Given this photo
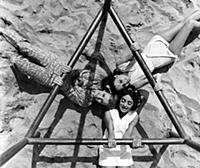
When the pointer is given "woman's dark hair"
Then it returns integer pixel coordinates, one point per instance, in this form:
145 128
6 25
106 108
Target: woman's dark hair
74 75
107 83
133 93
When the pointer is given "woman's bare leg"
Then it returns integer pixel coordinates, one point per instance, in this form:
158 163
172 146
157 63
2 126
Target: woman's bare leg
181 37
179 34
170 33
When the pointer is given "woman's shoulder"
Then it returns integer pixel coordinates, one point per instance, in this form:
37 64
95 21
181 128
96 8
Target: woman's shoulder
113 111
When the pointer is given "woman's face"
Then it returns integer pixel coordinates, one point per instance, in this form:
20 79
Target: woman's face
83 79
121 81
103 97
125 104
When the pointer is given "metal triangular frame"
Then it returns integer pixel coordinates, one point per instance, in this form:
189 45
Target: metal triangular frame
30 138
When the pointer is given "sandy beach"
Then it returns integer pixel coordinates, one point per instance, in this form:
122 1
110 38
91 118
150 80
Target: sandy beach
59 26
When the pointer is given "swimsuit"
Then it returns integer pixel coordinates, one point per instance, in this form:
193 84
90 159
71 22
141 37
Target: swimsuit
156 54
121 155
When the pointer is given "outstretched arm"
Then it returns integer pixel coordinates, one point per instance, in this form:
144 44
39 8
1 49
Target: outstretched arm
145 96
129 131
110 129
109 125
140 83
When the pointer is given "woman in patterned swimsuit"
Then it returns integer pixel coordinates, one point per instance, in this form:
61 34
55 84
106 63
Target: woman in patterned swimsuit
46 68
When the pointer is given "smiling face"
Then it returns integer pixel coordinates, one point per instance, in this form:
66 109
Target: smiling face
121 81
125 104
103 97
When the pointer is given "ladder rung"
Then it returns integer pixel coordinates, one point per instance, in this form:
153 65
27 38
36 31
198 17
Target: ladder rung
56 141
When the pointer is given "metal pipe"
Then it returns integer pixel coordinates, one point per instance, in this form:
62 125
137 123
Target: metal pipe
173 134
193 144
53 141
42 112
12 151
17 147
71 63
88 35
147 72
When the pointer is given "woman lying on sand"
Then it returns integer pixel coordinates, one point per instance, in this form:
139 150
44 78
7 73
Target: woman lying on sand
81 85
163 49
45 67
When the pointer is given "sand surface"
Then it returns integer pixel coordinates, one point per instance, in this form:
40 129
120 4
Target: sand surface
59 26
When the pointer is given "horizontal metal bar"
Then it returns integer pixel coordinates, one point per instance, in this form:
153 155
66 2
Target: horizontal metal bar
52 141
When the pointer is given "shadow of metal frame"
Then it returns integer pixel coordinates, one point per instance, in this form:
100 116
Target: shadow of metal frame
180 138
